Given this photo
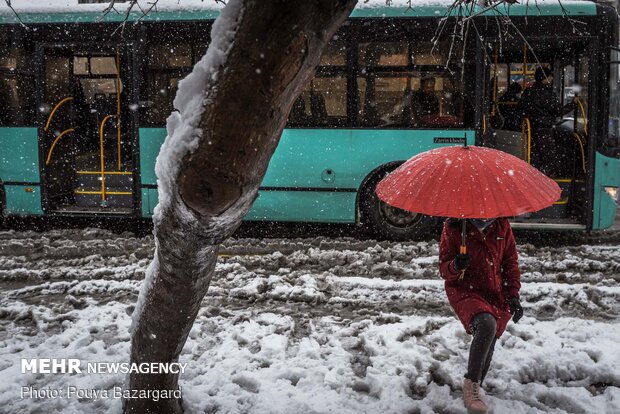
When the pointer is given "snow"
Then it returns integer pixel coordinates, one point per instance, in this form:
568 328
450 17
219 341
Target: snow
312 325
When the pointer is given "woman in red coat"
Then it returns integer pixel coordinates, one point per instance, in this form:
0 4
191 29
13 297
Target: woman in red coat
483 289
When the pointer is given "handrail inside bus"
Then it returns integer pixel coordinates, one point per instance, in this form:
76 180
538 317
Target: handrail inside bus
526 144
105 172
118 108
583 154
524 67
49 153
583 114
58 105
494 86
101 157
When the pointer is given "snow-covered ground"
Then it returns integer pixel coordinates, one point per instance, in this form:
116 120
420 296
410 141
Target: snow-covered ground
314 325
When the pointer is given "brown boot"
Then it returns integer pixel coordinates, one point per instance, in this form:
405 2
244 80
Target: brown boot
471 397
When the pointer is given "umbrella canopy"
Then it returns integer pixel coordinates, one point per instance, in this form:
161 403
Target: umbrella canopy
468 182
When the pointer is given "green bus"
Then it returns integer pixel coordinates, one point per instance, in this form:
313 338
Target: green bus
84 102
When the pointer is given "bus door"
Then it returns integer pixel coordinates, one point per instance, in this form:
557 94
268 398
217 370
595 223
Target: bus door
510 71
575 132
85 135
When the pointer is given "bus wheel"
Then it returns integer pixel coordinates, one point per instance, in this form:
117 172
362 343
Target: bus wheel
390 222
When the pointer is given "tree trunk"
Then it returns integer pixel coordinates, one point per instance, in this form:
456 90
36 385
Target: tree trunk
209 176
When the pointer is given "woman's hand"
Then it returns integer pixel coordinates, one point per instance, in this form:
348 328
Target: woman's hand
461 262
515 308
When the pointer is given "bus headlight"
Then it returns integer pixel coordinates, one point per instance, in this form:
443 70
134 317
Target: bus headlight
613 193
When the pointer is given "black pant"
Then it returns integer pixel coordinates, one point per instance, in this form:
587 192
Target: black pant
481 350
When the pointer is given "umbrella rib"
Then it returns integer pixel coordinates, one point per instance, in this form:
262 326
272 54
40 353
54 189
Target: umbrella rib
503 197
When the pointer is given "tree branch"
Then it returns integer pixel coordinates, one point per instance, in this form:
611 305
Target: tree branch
10 6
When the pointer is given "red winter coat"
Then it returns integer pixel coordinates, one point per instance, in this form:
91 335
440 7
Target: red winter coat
492 276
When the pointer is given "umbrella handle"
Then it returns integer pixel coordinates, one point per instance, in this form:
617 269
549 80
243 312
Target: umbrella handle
463 246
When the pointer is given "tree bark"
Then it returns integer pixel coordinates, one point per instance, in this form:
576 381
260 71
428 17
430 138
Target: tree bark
276 47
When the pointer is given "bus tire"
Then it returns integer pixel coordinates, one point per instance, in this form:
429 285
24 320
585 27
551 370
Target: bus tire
388 222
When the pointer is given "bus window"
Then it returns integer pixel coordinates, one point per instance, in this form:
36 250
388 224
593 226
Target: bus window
575 83
582 93
568 83
322 103
96 89
524 73
381 101
409 100
500 77
57 71
334 54
168 56
503 103
8 63
161 89
406 84
92 86
383 54
102 65
81 65
167 64
16 89
199 50
431 54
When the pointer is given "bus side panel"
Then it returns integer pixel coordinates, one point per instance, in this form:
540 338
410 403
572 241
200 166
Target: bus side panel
375 147
304 206
319 171
23 200
19 170
314 174
304 157
607 174
151 140
149 201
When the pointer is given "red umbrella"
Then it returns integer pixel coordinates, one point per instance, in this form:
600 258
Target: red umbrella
468 182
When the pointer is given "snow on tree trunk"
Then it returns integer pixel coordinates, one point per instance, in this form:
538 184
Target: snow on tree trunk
232 110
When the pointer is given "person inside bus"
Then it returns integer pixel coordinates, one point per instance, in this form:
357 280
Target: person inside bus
424 101
508 107
483 287
542 107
